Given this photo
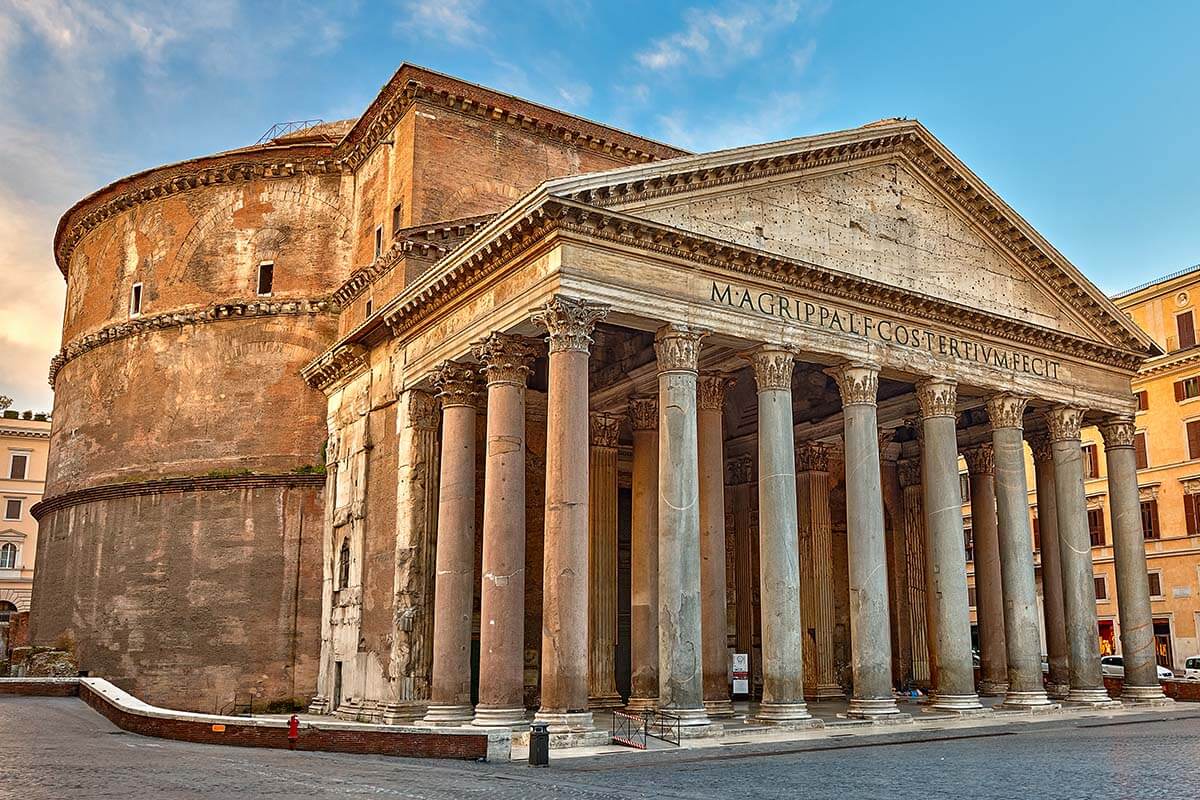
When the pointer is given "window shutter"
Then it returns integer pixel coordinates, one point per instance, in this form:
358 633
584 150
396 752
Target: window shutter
1189 513
1139 449
1193 437
1178 391
1154 517
1187 330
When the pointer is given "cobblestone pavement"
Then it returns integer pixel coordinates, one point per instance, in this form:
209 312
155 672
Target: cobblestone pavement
58 748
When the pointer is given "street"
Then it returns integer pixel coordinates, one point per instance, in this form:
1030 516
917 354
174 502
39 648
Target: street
58 748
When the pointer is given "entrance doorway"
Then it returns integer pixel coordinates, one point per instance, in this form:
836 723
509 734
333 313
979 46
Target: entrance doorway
1108 637
1163 652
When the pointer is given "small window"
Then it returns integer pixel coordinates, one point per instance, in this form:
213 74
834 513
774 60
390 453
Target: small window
1193 439
1095 518
7 609
266 278
1139 450
1037 535
1143 400
1155 580
18 466
1185 326
8 556
135 301
1101 587
379 241
971 596
964 486
397 219
1150 519
1191 514
969 542
1091 462
12 508
344 565
370 305
1187 388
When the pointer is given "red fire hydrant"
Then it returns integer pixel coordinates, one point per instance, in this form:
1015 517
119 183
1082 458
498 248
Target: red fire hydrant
293 731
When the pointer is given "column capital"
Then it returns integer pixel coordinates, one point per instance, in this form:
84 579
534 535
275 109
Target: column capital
506 358
457 384
812 457
937 397
1064 423
981 459
773 366
741 470
909 470
1006 410
678 347
857 382
569 322
643 412
710 390
1118 431
1039 443
603 429
422 411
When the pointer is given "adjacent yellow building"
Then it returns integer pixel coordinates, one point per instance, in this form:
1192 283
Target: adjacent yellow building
24 441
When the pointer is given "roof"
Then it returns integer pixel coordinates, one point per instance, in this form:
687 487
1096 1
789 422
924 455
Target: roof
1157 281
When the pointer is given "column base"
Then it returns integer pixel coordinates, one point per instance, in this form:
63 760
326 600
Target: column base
607 700
775 713
688 717
882 708
719 708
1094 697
956 703
640 705
1145 696
511 717
566 721
830 691
448 715
1028 701
318 705
993 688
1058 691
405 712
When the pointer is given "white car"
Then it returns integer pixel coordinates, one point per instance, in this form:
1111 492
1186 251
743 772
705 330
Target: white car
1114 667
1191 668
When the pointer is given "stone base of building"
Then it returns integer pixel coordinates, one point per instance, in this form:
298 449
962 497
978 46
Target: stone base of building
640 705
993 688
829 691
963 704
448 715
567 739
566 721
1145 696
782 713
1028 701
512 717
719 708
404 712
318 705
1058 691
802 724
876 710
1091 698
606 701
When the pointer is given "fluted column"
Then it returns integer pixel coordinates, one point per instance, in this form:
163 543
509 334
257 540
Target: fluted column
1075 552
989 590
643 562
1058 682
450 692
680 661
1129 547
602 562
778 545
741 473
713 625
912 498
506 364
955 687
569 323
812 491
1021 641
866 544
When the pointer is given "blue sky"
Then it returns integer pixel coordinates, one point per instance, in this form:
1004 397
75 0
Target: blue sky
1083 116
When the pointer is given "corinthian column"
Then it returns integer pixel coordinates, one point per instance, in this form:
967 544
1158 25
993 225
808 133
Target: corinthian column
1025 688
450 695
866 544
681 670
989 590
812 492
602 533
1129 546
955 687
565 571
778 542
1075 552
506 363
643 562
713 626
1058 683
914 553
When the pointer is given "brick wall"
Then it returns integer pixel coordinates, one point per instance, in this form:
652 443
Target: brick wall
1183 691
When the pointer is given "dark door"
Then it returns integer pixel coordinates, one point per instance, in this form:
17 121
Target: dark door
1163 653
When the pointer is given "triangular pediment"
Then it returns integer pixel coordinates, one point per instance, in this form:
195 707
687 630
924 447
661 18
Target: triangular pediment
887 203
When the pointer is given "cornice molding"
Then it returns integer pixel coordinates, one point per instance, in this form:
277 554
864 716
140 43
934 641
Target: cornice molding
220 312
205 483
335 366
23 433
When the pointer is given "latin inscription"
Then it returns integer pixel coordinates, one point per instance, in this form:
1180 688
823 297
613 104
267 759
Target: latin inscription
853 323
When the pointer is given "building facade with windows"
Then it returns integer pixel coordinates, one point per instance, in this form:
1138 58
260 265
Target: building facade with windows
470 409
24 442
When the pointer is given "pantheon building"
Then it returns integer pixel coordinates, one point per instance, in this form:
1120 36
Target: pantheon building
472 411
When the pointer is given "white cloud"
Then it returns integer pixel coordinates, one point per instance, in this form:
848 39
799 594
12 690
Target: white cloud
803 57
454 20
779 115
716 38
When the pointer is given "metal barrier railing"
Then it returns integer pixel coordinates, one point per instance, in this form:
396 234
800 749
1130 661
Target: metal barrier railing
664 726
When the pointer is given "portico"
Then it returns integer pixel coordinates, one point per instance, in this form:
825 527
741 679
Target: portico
720 344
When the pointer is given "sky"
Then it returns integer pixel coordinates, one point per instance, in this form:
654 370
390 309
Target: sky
1082 116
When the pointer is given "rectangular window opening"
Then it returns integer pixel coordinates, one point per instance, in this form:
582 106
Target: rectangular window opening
1095 517
1193 439
1185 326
378 241
1141 457
1091 461
266 278
1150 519
135 300
1101 587
1155 580
397 219
12 508
18 467
1143 400
1187 388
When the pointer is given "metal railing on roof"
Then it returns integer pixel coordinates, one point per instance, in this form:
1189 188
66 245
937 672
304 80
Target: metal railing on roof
284 128
1163 279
